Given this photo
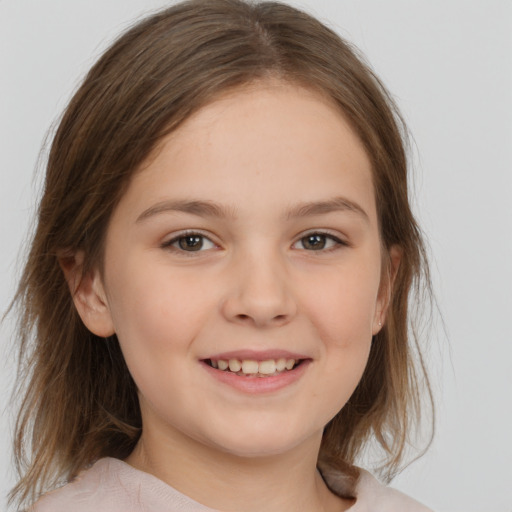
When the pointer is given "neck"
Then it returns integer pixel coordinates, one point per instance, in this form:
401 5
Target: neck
285 482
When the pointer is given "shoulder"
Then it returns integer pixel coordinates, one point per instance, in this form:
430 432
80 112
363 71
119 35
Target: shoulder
111 485
372 496
92 489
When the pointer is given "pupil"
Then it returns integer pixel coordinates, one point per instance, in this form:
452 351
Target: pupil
314 242
191 243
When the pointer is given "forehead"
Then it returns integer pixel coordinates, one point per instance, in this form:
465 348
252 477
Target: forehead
271 141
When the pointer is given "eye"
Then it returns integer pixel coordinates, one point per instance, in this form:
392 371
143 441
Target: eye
318 242
190 242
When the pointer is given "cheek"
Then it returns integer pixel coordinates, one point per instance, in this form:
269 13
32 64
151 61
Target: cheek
156 314
157 320
341 313
343 309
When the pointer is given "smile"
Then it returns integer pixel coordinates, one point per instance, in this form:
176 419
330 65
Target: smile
253 368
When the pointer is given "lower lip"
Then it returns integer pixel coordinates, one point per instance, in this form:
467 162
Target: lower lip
257 385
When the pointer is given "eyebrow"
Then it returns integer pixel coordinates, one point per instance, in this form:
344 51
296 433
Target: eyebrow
203 208
335 204
199 208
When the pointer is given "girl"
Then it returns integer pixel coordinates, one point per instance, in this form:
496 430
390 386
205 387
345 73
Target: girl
215 305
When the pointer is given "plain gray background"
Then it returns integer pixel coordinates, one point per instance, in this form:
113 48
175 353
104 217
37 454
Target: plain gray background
448 64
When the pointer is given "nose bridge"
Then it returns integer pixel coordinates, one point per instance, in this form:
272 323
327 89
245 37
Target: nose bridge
260 289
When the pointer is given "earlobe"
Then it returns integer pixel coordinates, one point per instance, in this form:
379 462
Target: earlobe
88 294
386 286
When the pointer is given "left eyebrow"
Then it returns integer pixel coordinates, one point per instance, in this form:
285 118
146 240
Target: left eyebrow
335 204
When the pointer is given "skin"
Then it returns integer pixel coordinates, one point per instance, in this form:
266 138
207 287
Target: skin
260 154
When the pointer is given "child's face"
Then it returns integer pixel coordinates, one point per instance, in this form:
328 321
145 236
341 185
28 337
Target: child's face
279 258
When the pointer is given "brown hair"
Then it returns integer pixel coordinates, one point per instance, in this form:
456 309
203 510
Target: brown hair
80 402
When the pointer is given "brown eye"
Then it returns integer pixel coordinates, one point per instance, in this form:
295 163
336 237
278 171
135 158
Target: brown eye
319 242
191 242
314 242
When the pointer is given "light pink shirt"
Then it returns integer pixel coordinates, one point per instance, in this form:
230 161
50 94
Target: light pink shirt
111 485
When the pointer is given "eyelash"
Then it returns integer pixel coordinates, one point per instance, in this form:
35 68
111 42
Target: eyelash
338 243
170 244
187 234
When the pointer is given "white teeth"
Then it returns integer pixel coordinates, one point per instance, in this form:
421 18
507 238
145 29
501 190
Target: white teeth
235 365
281 364
252 367
267 367
223 365
249 366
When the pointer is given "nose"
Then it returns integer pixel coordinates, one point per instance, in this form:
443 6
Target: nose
259 292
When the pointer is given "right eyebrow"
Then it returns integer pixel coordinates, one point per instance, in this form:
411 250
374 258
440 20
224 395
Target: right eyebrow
199 208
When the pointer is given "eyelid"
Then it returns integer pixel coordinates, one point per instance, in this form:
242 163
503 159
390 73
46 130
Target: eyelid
175 237
334 236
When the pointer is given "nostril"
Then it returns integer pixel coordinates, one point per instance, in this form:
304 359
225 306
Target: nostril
277 318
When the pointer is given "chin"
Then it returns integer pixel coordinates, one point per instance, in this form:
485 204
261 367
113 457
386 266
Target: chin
258 451
263 442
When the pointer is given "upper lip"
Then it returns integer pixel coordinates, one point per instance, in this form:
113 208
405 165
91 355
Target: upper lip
257 355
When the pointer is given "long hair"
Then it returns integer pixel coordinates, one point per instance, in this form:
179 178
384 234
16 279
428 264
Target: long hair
80 402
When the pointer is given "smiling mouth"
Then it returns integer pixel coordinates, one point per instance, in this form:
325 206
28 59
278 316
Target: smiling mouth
253 368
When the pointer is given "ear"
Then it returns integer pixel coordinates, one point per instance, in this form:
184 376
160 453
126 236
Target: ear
390 271
88 294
